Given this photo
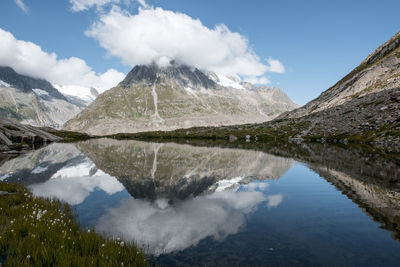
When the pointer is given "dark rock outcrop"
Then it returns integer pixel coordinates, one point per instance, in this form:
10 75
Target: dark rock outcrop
184 75
16 136
26 83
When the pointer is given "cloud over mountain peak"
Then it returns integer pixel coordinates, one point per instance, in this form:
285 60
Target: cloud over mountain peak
154 34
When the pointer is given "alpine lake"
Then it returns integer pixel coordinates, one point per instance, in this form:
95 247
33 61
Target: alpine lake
205 204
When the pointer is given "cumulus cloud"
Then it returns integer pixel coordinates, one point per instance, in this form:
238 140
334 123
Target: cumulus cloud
155 34
29 59
275 66
21 5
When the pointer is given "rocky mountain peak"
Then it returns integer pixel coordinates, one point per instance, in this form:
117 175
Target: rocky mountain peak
184 75
28 84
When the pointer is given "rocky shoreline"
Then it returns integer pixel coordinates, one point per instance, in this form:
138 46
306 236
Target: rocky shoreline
15 137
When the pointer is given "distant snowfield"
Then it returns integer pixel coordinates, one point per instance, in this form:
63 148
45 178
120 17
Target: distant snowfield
229 81
81 92
4 84
40 92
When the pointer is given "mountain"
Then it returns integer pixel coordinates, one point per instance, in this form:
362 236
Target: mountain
378 72
177 96
363 107
34 101
79 95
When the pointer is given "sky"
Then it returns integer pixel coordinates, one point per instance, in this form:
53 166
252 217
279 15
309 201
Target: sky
304 47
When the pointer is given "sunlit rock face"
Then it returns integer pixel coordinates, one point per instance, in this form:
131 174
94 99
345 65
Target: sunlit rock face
175 171
177 96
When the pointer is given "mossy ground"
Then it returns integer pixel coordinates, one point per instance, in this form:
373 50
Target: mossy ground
43 232
69 136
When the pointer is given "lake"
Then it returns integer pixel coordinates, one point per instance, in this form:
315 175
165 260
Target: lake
198 204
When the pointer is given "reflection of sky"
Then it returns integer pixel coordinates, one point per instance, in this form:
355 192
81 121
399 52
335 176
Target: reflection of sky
101 201
74 184
159 225
299 218
165 228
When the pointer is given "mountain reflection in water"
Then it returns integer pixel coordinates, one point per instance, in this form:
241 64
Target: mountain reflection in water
175 198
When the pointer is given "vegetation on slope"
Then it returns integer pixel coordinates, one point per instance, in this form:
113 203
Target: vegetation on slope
42 232
68 136
370 119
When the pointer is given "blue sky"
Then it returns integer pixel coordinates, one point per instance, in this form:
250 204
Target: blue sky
318 42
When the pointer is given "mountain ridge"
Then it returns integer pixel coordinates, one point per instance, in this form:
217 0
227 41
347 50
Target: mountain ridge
34 101
185 75
176 96
379 71
363 107
27 83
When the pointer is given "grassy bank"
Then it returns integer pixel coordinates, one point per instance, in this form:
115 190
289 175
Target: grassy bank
42 232
68 136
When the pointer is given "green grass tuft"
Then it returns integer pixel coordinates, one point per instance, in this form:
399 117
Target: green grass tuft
43 232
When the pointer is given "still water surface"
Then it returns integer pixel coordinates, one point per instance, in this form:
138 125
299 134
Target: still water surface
192 205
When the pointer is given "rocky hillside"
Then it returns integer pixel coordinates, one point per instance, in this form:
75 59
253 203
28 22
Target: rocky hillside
166 98
378 72
14 135
34 101
364 107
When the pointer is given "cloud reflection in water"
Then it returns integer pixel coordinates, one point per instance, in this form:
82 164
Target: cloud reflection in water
164 228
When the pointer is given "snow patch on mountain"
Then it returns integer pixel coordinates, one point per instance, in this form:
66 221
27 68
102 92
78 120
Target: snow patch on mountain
234 82
4 84
86 94
40 92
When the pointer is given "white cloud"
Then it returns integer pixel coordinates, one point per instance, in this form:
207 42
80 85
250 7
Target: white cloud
81 5
29 59
275 66
75 183
274 200
143 3
156 33
21 5
164 228
257 80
